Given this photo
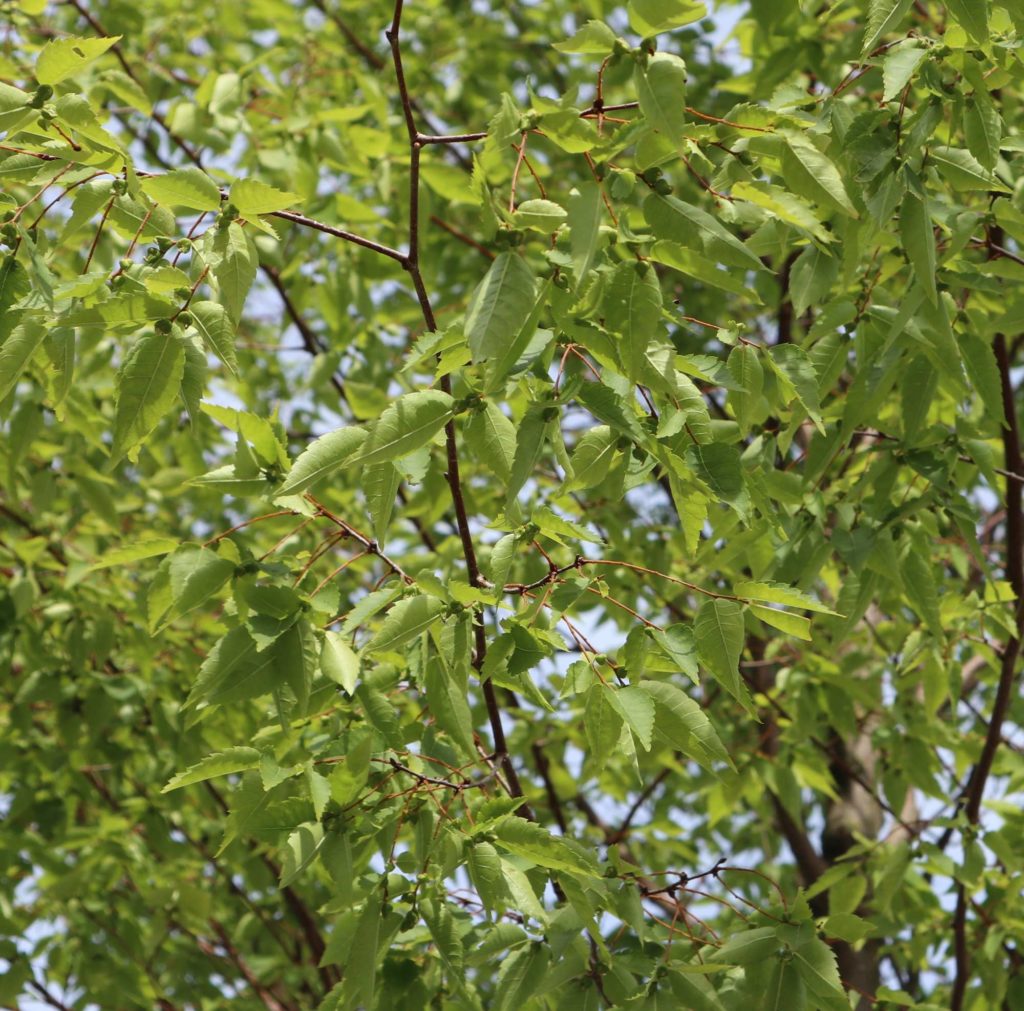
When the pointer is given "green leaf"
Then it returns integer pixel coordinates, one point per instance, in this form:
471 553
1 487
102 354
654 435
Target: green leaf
539 215
680 722
188 187
493 435
672 218
147 547
300 851
408 424
899 66
195 574
222 763
593 37
381 482
983 371
636 707
972 15
812 174
749 946
984 129
339 661
962 170
778 593
632 309
519 977
322 457
650 17
720 636
446 698
213 325
791 624
64 58
585 212
884 16
919 242
661 88
532 841
147 386
17 350
592 458
233 671
235 269
500 306
253 197
406 620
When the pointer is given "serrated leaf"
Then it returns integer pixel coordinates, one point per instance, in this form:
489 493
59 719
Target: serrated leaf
585 212
195 574
592 37
63 58
147 385
779 593
381 482
406 620
188 187
962 170
253 197
236 264
300 851
223 763
884 16
146 547
983 371
540 215
495 435
339 661
636 707
983 128
632 309
533 841
213 325
321 457
649 17
720 635
409 423
672 218
785 621
972 15
661 88
499 306
899 66
233 671
446 698
592 458
812 174
17 351
681 723
919 242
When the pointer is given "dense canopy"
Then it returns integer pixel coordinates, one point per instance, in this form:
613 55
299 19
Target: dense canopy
511 506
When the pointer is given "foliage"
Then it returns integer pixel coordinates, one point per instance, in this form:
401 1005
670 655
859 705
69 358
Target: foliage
523 513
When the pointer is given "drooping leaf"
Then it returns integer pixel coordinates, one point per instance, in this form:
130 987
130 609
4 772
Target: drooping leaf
500 306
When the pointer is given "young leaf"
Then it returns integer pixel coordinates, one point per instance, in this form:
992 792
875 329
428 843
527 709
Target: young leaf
236 265
16 352
650 17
